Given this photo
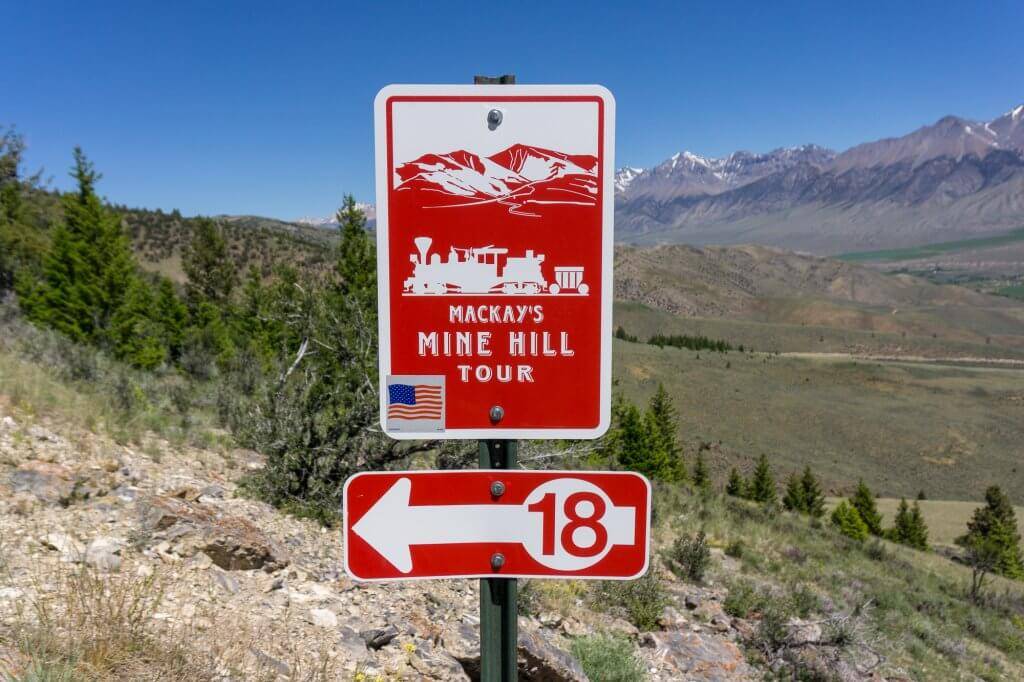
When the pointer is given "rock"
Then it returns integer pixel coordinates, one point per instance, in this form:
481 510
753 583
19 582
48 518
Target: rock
225 582
271 663
10 593
8 423
700 657
541 661
71 550
692 601
671 619
721 623
803 632
323 618
574 628
236 544
376 638
550 619
619 626
351 646
212 491
44 435
50 483
103 553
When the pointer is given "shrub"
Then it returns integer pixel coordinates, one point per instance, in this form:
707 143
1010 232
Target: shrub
689 557
743 600
608 658
735 549
640 601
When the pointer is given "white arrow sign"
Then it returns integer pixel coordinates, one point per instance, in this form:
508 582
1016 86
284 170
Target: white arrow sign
566 524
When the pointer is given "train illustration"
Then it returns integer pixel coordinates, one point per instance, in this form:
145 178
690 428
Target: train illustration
486 270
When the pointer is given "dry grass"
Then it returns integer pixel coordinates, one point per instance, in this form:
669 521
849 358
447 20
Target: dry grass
80 624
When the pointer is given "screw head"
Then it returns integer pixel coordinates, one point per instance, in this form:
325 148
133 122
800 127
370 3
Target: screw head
497 488
497 561
497 413
494 118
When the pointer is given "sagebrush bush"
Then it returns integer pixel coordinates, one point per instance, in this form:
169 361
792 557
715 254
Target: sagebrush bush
641 601
608 658
689 558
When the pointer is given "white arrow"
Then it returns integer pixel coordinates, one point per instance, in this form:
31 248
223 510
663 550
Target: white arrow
392 525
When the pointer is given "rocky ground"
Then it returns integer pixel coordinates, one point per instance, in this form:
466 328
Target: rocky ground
262 593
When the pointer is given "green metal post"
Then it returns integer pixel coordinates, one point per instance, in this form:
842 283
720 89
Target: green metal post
499 617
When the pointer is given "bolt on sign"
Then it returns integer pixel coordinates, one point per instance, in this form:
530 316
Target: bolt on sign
494 243
496 523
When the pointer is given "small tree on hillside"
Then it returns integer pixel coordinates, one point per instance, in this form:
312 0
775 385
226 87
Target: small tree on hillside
813 497
909 527
847 521
701 476
736 486
762 484
794 499
662 423
864 502
993 528
211 271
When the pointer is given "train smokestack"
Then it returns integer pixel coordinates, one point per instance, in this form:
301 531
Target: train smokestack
423 246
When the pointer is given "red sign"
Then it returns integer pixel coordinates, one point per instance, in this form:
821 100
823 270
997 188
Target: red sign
493 523
494 235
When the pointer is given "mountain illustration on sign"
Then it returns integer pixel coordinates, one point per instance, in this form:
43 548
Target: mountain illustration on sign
486 270
523 178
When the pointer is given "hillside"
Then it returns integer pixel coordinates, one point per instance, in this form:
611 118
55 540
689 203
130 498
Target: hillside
129 543
753 284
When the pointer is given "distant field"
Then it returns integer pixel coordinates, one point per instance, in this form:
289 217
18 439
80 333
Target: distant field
930 250
903 427
946 519
1016 291
1005 342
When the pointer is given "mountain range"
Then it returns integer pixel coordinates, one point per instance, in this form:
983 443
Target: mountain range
953 179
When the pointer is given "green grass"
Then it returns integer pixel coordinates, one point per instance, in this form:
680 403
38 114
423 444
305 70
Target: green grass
1016 291
929 250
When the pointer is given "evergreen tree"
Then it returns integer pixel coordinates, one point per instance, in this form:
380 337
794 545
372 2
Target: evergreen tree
209 267
909 527
736 487
634 448
701 476
864 502
762 484
994 527
88 270
847 521
794 499
814 498
137 338
661 421
21 244
171 315
357 258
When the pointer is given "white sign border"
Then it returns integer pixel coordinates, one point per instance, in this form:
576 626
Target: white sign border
607 246
500 472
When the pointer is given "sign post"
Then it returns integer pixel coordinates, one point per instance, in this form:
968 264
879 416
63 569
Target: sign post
494 244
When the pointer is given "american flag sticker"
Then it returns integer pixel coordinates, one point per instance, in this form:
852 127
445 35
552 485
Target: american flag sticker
415 403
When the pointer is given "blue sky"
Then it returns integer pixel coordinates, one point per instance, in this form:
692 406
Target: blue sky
265 108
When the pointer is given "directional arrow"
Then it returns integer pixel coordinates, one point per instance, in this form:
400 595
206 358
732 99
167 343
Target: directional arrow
392 526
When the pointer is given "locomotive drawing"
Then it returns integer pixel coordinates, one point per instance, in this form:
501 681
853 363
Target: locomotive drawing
486 270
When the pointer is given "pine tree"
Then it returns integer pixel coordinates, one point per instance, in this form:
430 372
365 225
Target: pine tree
794 499
172 316
918 529
762 484
357 259
995 526
814 498
634 448
211 272
661 421
137 338
847 520
864 502
88 270
701 476
736 487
